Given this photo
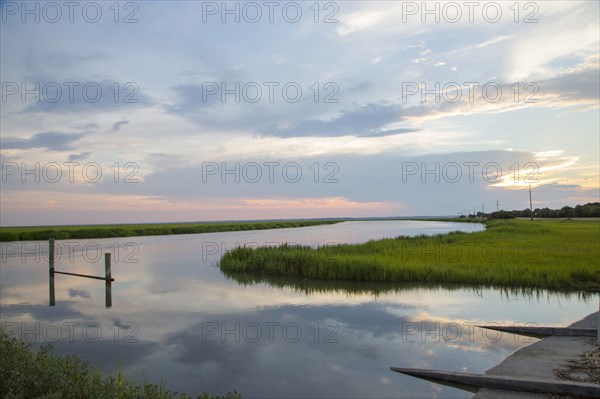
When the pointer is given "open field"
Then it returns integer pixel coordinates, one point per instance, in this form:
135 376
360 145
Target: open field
132 230
556 254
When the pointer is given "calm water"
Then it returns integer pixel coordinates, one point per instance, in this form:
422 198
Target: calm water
175 317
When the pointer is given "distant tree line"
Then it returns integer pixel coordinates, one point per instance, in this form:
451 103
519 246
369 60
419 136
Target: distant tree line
591 209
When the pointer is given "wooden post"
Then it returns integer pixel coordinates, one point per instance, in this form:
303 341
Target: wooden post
599 321
51 256
108 294
51 298
108 286
530 204
51 289
107 272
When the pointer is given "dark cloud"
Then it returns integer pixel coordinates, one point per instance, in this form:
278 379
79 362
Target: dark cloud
79 293
364 121
579 85
196 102
53 141
391 132
64 310
362 86
84 95
225 114
88 126
190 98
79 157
117 125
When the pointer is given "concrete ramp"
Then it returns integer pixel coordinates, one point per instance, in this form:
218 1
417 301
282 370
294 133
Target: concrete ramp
529 372
473 382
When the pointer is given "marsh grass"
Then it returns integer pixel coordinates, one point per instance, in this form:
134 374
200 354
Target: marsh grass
25 373
550 254
132 230
376 289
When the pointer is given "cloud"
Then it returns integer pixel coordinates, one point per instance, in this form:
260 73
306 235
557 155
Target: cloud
191 97
85 95
273 120
226 114
79 293
533 55
358 21
88 126
53 141
368 120
79 157
575 86
367 54
578 86
117 125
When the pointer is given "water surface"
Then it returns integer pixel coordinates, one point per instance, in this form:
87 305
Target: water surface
176 318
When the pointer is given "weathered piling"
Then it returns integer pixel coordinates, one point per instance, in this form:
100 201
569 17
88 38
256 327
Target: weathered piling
51 298
107 266
108 294
108 276
51 256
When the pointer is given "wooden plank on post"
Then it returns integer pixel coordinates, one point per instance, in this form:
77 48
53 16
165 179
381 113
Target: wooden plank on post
83 275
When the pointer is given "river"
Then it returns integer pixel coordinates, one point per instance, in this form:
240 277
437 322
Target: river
176 318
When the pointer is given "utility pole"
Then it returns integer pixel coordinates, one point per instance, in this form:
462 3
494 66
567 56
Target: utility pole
496 205
482 208
530 203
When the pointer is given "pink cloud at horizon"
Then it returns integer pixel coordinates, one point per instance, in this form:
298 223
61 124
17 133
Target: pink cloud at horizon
45 208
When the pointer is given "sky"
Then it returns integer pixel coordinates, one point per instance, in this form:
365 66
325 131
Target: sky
159 111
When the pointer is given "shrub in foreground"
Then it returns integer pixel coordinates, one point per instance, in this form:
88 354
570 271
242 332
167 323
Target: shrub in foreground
28 374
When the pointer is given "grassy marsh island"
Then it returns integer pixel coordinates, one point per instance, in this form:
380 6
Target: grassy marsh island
156 229
550 253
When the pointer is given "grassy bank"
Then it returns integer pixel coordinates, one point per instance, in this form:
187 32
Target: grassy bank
132 230
555 254
28 374
352 288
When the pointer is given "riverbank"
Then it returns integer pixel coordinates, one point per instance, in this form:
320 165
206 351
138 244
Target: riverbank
155 229
562 365
552 254
28 374
555 358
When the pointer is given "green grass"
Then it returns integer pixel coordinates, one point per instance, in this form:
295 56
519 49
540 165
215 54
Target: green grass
28 374
351 288
549 254
132 230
